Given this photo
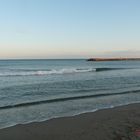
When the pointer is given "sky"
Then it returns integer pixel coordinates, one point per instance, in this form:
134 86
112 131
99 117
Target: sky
69 28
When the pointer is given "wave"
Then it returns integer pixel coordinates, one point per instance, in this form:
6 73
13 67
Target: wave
107 69
67 99
45 72
53 71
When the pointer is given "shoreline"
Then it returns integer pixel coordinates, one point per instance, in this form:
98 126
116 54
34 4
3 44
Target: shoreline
104 124
67 116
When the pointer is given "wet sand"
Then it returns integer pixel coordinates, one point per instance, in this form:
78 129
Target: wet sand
120 123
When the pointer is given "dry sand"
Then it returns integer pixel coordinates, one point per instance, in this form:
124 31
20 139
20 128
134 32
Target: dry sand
120 123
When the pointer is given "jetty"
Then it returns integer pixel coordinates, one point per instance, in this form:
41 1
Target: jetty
113 59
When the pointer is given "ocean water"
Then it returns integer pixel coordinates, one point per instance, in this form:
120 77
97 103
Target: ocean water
38 90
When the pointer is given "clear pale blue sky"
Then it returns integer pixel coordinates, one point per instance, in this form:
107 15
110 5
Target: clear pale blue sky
69 28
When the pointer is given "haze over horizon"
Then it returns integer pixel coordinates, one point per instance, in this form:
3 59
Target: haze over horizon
69 29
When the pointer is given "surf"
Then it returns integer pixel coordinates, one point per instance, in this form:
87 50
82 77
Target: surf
54 71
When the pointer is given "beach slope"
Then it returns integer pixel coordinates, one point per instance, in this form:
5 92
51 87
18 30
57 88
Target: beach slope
120 123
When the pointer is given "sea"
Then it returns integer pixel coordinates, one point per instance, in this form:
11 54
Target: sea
39 90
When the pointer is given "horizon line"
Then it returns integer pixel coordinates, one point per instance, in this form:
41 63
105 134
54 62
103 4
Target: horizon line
66 58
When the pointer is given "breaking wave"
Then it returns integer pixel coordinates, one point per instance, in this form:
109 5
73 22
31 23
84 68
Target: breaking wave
53 71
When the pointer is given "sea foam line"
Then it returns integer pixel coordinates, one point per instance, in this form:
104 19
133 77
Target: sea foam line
54 71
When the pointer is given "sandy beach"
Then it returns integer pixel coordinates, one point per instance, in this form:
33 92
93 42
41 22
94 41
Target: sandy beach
120 123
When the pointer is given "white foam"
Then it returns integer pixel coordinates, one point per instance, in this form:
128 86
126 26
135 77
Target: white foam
40 72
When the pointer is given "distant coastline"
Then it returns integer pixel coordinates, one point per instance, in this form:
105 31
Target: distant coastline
113 59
